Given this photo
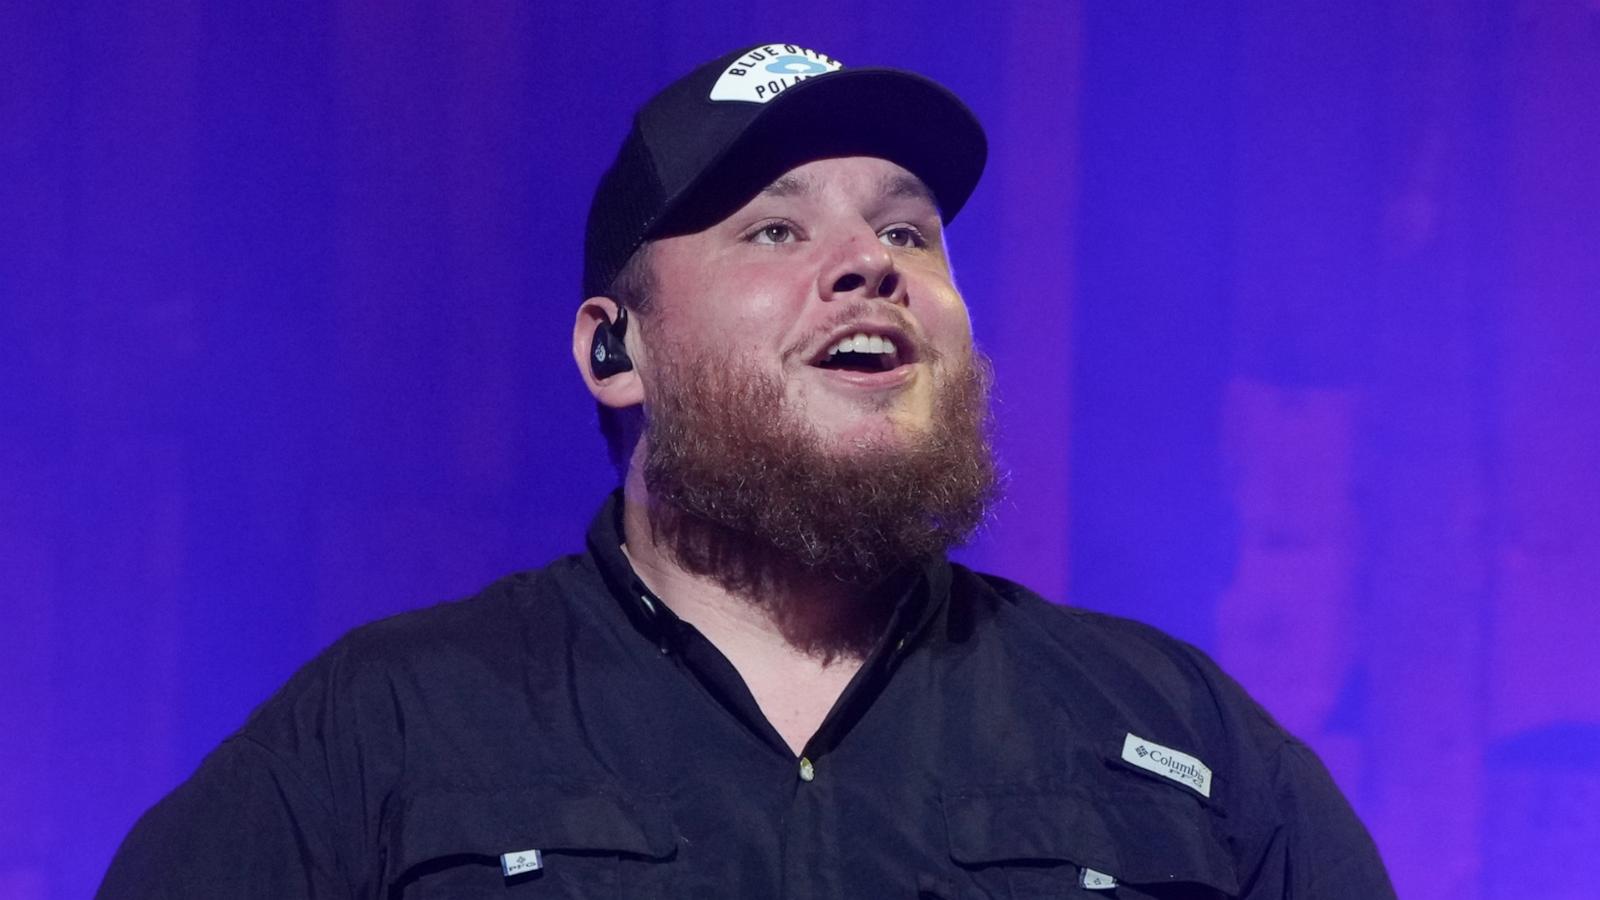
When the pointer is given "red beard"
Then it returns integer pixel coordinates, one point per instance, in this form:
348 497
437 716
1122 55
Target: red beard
743 488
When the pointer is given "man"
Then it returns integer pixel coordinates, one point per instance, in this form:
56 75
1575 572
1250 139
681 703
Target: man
763 678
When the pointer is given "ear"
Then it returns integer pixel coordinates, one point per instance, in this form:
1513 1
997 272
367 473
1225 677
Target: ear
624 388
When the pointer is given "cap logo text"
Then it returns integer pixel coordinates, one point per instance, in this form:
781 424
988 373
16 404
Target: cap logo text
767 71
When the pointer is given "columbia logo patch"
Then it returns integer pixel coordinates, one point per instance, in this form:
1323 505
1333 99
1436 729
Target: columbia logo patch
769 70
1168 763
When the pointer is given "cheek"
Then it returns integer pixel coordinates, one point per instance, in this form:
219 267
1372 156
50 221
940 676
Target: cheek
944 319
706 288
740 303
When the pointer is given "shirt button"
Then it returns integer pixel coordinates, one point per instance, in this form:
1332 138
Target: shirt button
807 770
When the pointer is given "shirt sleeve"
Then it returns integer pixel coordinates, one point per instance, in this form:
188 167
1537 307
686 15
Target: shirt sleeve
1296 836
1321 851
244 825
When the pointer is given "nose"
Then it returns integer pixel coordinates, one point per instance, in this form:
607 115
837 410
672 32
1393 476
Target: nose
863 268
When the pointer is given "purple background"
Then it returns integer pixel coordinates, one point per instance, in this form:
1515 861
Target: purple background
1295 308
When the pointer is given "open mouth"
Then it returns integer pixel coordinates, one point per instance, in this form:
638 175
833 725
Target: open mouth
862 352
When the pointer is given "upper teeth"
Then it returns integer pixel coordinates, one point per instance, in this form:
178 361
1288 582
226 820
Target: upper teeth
862 343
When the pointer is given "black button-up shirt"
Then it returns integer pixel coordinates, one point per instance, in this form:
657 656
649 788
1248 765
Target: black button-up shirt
562 734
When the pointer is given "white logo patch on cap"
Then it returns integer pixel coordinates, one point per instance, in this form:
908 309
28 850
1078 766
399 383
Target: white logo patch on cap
769 70
1167 762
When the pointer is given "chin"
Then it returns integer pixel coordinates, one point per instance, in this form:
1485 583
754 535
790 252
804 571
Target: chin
877 433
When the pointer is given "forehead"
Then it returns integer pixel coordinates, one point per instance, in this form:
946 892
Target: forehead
867 176
861 177
732 191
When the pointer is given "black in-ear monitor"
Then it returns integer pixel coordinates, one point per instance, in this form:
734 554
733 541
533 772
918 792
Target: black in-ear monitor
608 355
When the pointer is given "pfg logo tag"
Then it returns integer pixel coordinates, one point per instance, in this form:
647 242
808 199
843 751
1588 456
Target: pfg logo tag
765 72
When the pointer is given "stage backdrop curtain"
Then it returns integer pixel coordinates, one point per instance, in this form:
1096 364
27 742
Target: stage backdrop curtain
1294 310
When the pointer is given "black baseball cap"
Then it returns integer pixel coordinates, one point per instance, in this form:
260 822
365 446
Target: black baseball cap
705 144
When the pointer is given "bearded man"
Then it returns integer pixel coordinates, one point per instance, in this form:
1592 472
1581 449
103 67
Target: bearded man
764 678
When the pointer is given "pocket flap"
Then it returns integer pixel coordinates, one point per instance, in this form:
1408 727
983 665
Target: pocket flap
1140 837
558 818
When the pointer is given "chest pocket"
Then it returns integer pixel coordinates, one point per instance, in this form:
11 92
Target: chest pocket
592 843
1022 842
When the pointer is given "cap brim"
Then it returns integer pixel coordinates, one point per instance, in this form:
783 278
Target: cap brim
896 115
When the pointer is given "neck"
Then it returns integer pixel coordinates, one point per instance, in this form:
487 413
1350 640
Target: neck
741 595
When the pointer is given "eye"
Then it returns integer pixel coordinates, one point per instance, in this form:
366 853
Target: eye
773 233
903 236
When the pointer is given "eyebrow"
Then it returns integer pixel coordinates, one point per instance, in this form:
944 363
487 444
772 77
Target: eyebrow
789 186
904 185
